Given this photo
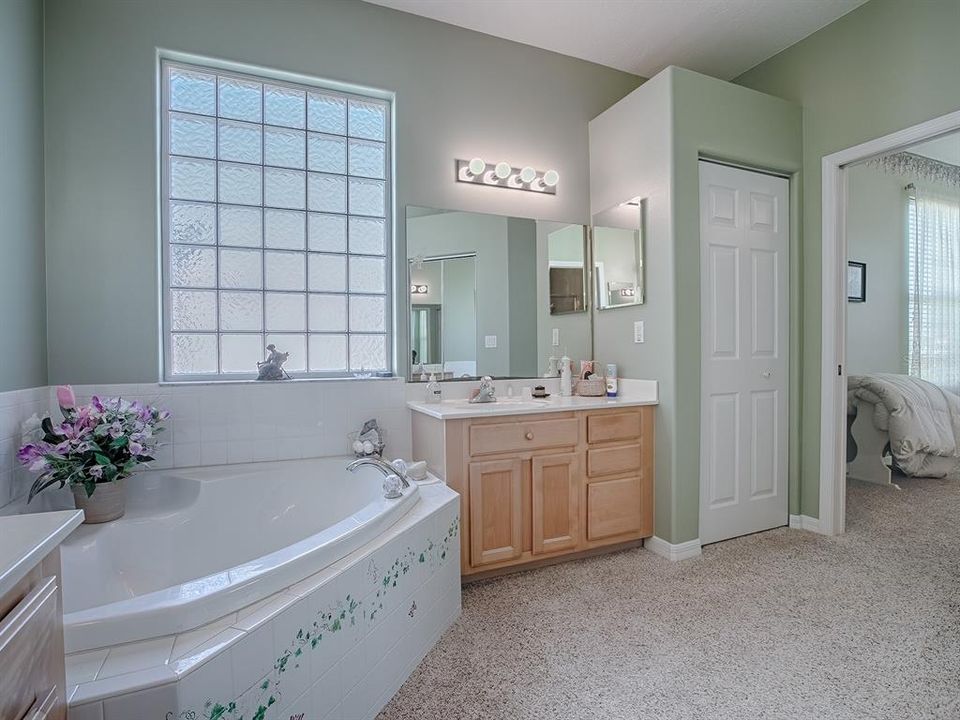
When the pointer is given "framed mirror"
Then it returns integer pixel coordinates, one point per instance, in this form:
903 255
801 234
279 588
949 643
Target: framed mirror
617 256
494 295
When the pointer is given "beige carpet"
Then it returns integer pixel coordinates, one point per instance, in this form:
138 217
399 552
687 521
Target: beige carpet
782 624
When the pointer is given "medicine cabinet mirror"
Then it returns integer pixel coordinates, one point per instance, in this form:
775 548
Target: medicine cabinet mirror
617 256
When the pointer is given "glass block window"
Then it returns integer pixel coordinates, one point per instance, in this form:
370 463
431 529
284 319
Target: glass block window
275 226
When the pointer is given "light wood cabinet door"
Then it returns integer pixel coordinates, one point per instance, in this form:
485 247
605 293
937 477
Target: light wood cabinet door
31 656
556 502
614 507
496 521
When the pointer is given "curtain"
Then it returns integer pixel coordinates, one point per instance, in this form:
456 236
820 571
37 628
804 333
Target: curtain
933 227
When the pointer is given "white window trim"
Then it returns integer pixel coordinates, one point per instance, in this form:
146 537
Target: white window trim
167 59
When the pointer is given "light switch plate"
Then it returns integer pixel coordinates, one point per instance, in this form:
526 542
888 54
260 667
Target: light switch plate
638 331
556 337
489 341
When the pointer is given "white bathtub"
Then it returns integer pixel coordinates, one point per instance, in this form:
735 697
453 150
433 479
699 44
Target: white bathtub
199 543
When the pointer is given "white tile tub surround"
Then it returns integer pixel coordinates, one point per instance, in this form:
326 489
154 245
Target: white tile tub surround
16 406
336 645
219 423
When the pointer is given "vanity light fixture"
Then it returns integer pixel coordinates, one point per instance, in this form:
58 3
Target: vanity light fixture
503 174
419 289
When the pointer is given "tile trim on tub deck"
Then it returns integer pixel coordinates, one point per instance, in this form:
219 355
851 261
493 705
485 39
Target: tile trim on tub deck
343 605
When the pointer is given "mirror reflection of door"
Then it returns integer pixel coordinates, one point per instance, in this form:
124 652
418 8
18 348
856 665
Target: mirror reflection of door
443 316
565 250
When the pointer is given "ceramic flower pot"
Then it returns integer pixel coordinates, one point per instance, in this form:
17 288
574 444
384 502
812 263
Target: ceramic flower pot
108 502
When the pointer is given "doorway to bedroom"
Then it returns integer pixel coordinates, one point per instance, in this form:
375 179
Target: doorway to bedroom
901 341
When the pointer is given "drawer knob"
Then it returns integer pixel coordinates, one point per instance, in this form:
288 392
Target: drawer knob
529 435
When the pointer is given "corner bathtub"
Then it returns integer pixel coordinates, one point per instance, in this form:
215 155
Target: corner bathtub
198 543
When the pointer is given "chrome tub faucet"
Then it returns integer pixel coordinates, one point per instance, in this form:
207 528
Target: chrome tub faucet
393 478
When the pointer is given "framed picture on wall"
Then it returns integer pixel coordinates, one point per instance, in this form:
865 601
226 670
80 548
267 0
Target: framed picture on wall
856 281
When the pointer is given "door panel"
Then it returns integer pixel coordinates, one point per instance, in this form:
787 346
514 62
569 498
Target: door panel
496 522
744 235
556 502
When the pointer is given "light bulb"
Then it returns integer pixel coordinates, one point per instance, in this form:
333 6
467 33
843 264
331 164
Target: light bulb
476 166
528 174
502 170
551 178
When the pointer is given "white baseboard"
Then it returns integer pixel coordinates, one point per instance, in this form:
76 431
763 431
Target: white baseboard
680 551
805 522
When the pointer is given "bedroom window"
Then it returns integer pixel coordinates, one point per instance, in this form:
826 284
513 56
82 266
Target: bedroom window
275 225
933 240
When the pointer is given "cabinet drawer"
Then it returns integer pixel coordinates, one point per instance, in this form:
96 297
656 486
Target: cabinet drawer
513 436
612 460
614 507
611 427
31 647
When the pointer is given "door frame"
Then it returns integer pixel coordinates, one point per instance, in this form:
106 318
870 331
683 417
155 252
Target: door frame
833 374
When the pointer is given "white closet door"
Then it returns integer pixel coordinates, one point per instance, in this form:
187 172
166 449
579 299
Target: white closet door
744 370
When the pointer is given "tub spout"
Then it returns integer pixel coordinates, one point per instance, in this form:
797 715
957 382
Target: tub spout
385 468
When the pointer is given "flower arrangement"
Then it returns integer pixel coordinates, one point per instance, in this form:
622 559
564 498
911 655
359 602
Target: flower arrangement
102 442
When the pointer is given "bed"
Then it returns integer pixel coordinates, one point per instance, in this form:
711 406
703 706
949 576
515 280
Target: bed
901 422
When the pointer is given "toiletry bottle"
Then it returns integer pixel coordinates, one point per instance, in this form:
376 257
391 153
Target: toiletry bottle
612 384
552 369
566 377
434 390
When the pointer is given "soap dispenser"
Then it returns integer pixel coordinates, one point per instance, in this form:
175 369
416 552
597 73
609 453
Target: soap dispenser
566 377
434 390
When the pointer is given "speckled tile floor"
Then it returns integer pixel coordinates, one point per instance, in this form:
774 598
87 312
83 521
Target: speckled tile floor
782 624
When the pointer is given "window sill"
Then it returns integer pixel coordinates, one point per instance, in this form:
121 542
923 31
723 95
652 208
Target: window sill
254 381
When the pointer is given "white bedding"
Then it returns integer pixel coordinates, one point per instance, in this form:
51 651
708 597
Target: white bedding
922 420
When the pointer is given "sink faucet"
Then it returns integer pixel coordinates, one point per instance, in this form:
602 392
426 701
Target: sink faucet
485 394
389 472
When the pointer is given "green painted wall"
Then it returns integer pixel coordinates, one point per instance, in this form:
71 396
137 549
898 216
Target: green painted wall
885 66
649 145
713 118
458 94
876 217
22 278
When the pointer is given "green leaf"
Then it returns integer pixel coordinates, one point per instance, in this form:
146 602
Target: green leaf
42 483
89 486
102 459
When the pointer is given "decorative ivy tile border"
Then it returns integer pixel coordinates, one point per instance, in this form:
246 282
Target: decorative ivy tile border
254 703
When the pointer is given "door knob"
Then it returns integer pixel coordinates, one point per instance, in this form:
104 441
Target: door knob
766 374
529 435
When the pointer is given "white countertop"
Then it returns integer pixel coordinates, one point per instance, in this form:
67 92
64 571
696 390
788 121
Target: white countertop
26 539
461 408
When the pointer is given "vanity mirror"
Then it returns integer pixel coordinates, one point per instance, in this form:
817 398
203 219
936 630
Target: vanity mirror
494 295
617 254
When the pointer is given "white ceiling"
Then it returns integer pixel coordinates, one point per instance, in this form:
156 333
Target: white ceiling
722 38
945 149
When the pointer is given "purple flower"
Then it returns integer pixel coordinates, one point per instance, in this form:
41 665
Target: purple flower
96 471
31 451
135 448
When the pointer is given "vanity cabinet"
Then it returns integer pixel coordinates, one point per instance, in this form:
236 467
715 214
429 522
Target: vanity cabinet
32 682
536 489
